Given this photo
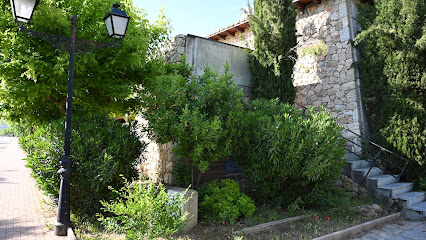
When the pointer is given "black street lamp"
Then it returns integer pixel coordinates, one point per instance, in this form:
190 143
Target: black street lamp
116 22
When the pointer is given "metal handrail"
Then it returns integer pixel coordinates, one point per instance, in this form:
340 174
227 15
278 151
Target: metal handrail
367 153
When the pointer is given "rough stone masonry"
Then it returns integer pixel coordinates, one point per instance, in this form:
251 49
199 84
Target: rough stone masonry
328 78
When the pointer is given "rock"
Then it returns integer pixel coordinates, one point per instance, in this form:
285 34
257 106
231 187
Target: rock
377 208
354 187
366 210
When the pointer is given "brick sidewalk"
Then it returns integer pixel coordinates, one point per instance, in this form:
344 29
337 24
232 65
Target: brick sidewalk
22 213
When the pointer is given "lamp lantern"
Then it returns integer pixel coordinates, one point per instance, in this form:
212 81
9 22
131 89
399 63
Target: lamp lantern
116 22
23 9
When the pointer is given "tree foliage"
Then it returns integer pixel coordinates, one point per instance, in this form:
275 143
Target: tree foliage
271 67
394 42
102 149
200 114
34 74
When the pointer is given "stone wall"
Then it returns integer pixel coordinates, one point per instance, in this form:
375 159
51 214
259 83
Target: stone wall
174 51
244 39
328 77
158 159
350 186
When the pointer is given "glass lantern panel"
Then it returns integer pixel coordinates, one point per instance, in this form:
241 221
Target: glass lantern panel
22 9
120 26
108 25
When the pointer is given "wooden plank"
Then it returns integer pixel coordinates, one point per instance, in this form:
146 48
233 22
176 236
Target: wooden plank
269 225
240 30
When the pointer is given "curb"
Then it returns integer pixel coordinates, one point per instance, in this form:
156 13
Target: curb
359 228
70 234
269 225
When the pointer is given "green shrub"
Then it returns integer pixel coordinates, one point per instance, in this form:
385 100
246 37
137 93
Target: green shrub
287 155
145 211
181 174
201 114
271 66
223 202
394 42
101 148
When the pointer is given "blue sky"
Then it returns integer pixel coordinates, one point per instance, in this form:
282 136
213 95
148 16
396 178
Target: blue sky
197 17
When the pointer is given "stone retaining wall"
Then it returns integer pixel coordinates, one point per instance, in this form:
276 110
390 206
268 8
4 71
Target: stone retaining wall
351 186
159 159
324 72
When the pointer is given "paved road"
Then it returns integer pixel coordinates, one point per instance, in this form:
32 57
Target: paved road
4 142
22 214
403 230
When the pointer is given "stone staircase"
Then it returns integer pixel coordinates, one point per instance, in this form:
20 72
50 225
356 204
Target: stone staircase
386 187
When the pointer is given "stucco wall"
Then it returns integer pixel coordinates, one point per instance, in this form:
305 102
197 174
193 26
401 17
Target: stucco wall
201 52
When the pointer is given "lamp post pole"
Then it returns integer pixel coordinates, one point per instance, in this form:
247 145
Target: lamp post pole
116 23
63 217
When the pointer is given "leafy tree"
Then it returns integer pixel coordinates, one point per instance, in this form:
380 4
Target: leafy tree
200 114
271 67
34 74
394 42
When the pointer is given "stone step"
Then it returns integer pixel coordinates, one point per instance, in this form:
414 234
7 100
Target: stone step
410 199
359 164
394 189
351 156
373 182
353 164
358 174
416 212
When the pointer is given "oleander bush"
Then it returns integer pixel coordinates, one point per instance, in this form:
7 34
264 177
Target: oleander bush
101 149
223 202
288 154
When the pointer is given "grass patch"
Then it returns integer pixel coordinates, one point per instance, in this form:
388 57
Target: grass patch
89 229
